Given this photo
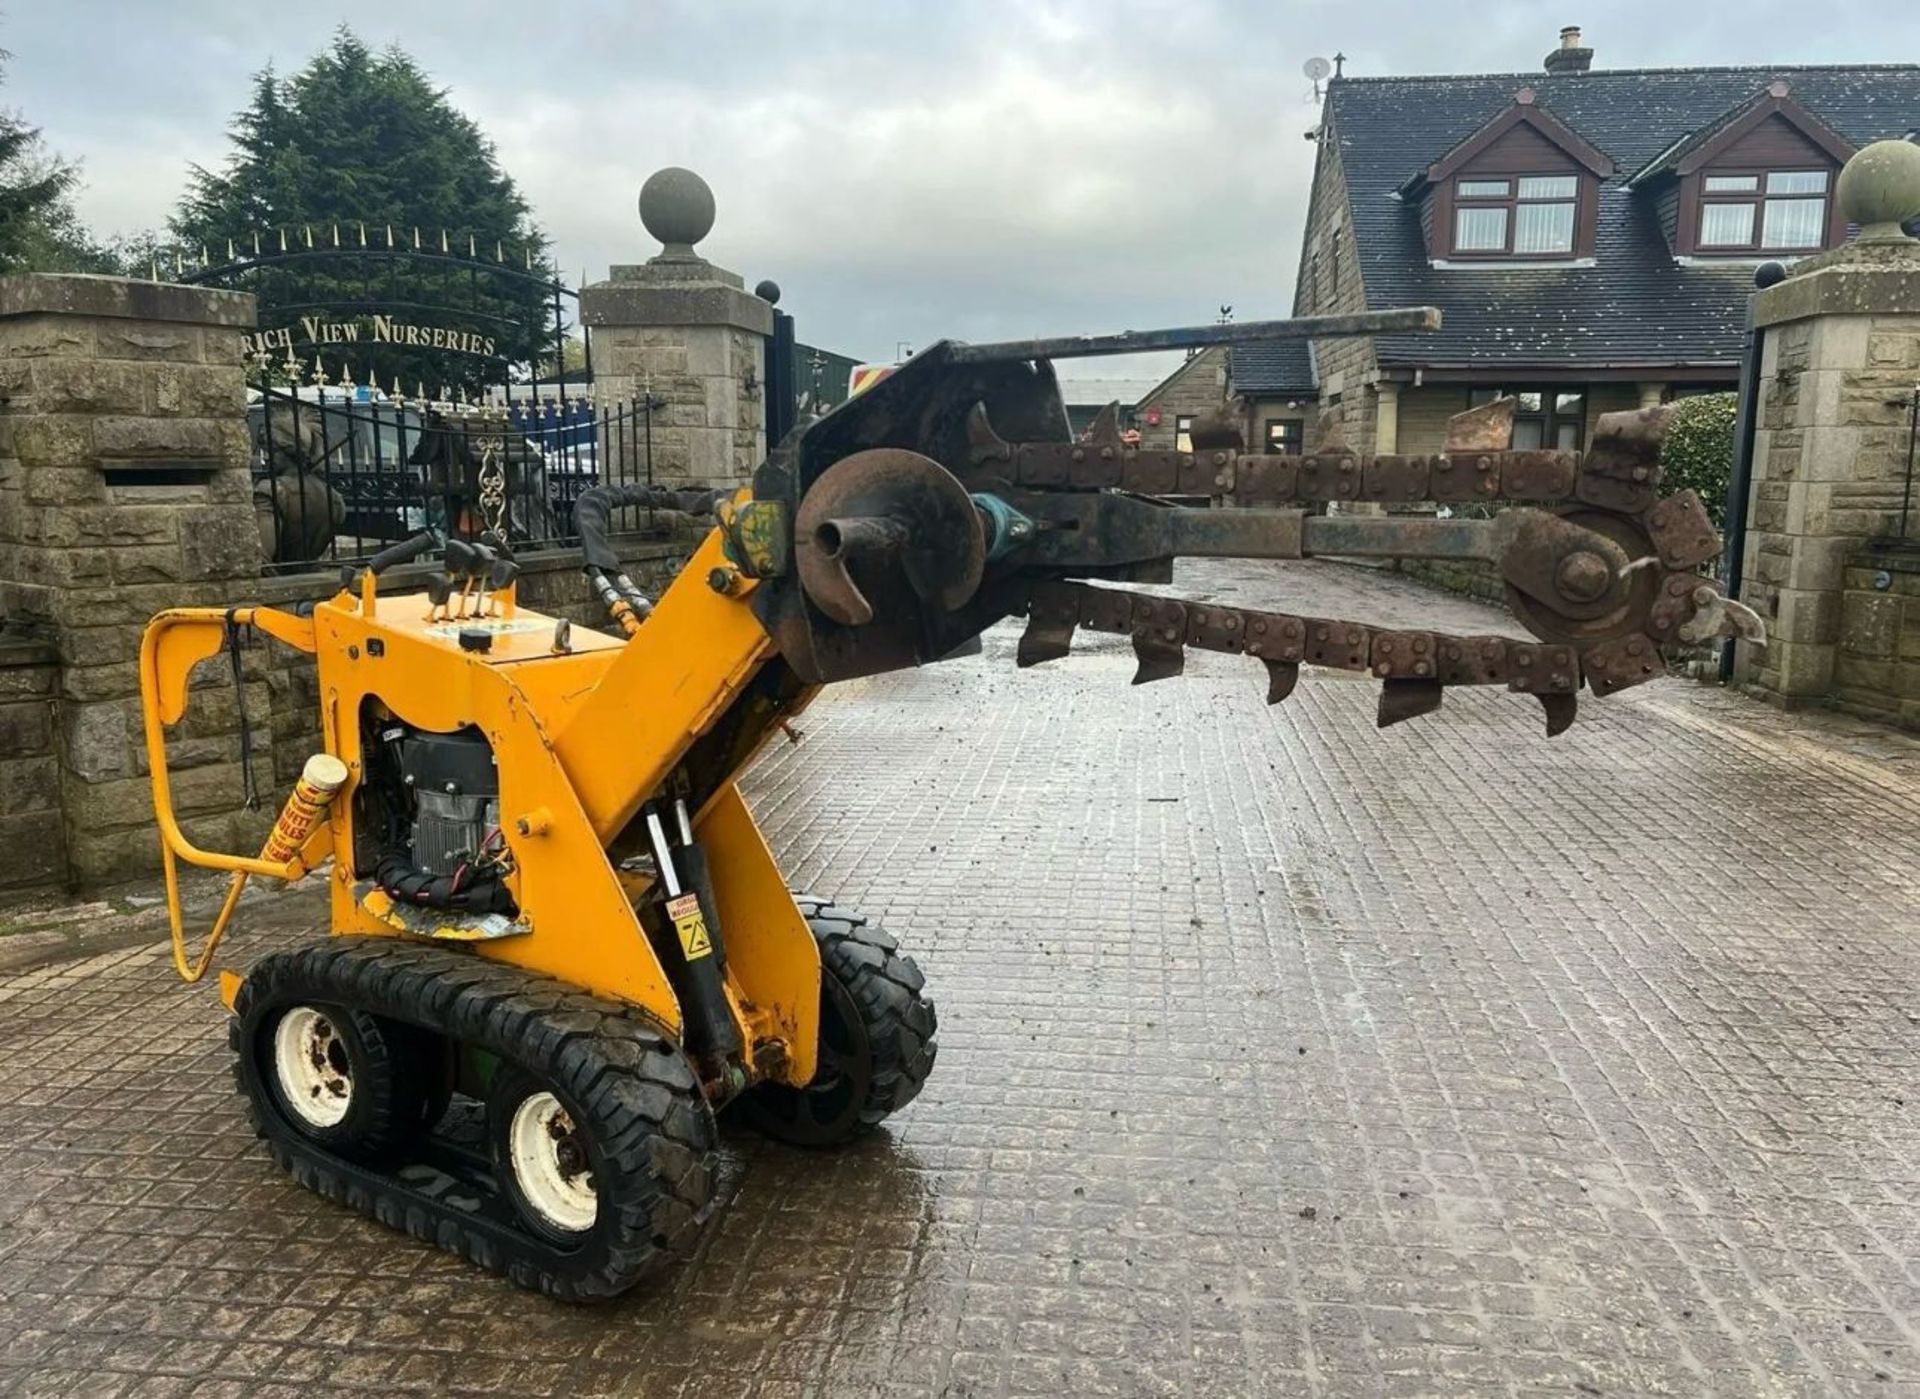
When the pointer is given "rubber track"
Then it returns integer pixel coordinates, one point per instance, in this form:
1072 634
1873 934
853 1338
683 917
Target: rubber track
639 1096
889 988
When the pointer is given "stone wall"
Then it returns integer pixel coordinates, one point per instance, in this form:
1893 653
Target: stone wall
685 333
32 832
1330 283
1877 669
124 489
1838 374
709 418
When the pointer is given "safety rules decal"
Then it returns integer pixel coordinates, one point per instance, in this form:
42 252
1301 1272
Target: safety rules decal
685 913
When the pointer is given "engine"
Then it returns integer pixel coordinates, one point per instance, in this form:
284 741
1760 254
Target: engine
434 798
456 794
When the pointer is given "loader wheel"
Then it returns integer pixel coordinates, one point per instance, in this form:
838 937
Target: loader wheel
876 1037
544 1158
343 1078
601 1142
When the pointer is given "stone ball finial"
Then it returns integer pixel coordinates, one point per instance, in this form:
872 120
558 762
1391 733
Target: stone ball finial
676 206
1880 189
768 291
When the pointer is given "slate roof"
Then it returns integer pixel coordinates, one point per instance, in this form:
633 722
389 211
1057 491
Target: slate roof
1668 160
1635 306
1276 369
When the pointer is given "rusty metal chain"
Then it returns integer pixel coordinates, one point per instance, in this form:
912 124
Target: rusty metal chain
1416 665
1453 478
1671 604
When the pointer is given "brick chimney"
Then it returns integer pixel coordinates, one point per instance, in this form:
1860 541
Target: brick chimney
1570 57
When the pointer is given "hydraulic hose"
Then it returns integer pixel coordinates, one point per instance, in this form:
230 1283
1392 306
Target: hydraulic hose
593 513
486 894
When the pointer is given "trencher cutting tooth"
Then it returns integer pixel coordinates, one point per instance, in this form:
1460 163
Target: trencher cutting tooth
1042 642
1104 430
1053 612
1561 709
1407 698
1282 676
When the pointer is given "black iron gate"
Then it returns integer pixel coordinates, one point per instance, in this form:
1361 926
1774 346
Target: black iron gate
339 475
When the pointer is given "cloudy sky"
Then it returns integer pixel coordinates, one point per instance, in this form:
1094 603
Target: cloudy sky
903 170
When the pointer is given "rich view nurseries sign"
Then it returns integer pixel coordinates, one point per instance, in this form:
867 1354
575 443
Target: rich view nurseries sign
375 329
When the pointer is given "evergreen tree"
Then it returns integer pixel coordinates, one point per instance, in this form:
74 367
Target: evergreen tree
363 140
39 230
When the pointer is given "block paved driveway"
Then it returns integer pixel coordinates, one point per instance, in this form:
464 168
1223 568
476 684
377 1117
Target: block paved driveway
1278 1056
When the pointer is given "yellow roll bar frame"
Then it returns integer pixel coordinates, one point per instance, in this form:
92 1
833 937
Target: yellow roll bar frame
174 643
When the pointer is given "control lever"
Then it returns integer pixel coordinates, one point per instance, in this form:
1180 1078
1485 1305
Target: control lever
499 573
464 559
406 551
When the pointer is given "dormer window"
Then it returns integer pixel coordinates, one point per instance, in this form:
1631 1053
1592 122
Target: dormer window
1518 216
1763 211
1756 182
1524 187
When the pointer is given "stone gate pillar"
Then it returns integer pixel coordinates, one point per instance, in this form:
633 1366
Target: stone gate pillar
124 489
1839 373
688 334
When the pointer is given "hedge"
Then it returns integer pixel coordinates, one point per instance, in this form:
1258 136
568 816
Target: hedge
1698 450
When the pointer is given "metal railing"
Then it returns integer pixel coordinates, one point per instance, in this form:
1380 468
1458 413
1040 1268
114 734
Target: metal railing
1901 537
339 473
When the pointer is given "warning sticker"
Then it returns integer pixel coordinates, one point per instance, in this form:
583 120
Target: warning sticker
685 913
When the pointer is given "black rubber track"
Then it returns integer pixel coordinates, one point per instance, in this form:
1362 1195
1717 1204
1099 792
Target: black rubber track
897 1017
651 1132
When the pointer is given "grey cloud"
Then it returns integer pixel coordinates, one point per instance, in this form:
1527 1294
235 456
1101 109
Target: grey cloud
904 171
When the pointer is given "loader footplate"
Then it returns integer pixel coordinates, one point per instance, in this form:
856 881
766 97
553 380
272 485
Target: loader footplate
599 1163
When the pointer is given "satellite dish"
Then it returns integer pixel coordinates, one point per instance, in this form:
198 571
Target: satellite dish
1316 69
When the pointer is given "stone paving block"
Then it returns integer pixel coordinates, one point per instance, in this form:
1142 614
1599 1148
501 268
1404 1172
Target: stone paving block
1279 1055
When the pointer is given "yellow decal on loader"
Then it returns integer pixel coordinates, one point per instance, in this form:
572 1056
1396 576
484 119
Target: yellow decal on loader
685 913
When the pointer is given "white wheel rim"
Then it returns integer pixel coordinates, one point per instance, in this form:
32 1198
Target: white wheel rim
316 1077
550 1165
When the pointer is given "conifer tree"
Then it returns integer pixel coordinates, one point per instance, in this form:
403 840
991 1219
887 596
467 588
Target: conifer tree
39 229
363 140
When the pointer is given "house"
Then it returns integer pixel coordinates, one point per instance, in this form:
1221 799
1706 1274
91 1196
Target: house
1268 389
1165 414
1590 236
1273 386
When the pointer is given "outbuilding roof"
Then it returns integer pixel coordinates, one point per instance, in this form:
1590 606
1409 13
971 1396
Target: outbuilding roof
1273 369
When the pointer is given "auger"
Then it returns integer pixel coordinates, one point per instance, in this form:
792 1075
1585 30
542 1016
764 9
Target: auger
562 946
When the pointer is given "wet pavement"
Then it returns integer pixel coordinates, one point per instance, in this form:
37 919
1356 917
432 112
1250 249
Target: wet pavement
1278 1055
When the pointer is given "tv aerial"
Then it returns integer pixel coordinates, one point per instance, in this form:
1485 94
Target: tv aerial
1316 70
